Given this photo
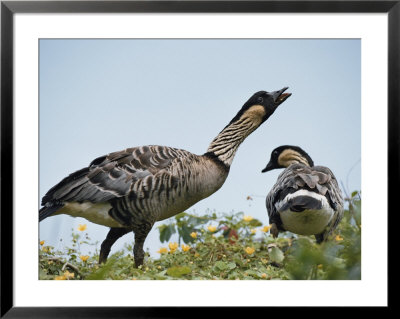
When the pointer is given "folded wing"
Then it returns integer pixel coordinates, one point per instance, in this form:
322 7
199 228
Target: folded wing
317 179
115 175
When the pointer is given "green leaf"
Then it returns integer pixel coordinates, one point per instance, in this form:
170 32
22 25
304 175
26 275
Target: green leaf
221 265
101 273
276 254
195 221
231 266
238 261
180 216
184 232
252 273
255 223
166 232
178 271
42 274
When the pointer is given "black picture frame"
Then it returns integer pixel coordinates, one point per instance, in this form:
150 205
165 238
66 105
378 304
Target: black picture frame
9 8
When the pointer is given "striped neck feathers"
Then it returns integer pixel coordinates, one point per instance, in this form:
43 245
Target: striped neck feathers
225 145
290 156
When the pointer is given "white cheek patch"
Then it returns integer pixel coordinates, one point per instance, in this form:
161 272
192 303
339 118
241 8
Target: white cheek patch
307 222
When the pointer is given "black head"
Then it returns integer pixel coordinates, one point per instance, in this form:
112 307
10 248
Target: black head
268 100
283 156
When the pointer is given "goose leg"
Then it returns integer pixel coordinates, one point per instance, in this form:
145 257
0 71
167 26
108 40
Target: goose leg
274 230
141 231
113 235
320 238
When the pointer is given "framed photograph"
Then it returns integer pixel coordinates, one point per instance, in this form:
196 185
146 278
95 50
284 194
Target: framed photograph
104 106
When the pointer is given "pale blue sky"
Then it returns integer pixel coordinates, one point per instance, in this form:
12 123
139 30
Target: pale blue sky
100 96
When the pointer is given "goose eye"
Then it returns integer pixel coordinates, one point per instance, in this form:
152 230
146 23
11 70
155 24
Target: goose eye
260 99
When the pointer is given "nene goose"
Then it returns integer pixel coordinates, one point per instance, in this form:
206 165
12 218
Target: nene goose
306 199
131 189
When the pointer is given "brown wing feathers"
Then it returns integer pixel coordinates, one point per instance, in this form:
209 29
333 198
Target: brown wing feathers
112 176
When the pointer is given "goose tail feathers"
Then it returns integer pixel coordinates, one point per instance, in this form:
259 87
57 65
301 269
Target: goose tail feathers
302 203
47 211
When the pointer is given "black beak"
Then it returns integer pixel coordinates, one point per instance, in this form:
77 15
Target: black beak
279 97
269 167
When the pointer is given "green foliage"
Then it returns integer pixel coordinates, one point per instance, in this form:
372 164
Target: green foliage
235 247
178 271
276 255
339 258
185 224
166 232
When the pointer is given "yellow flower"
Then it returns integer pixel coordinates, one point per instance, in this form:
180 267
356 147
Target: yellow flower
162 250
320 266
264 275
265 229
82 227
84 258
185 247
338 238
247 218
193 234
46 249
253 230
42 242
60 278
68 274
249 250
212 228
173 247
